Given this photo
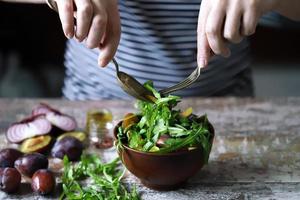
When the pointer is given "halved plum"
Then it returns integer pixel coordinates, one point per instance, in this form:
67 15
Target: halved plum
81 136
38 144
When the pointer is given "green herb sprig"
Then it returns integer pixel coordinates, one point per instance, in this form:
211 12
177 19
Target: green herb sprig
105 180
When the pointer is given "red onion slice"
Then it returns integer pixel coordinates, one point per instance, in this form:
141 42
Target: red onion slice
27 128
42 108
62 121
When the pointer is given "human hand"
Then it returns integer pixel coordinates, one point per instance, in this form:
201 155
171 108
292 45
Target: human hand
223 21
97 22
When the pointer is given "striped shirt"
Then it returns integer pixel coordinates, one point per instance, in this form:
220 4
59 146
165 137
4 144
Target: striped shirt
159 43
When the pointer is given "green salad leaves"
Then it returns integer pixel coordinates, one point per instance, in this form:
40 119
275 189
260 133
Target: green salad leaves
105 180
156 120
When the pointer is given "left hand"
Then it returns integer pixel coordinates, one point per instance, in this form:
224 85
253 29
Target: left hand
222 21
97 22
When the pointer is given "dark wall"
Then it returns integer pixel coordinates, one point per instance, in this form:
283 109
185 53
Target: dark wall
33 30
276 44
31 34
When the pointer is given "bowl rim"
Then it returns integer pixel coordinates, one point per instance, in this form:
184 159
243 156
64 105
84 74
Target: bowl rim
176 153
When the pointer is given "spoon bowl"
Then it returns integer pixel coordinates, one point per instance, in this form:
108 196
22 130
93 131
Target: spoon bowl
131 86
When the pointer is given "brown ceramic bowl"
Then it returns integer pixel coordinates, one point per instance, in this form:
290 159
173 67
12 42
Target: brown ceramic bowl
162 171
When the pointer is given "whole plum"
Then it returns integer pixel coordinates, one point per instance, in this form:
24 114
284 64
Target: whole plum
30 163
10 179
8 157
43 182
69 146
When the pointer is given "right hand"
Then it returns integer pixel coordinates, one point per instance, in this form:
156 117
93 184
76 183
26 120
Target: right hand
227 21
97 22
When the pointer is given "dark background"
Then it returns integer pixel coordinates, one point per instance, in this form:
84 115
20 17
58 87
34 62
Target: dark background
32 48
32 43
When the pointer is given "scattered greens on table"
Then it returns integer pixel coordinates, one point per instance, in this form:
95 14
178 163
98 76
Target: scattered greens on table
142 131
105 180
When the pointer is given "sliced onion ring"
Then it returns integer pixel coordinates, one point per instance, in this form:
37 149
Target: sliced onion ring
27 128
59 120
43 108
62 121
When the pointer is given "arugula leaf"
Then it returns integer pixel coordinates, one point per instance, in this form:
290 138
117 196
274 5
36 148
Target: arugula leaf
136 141
178 132
148 146
192 138
105 180
149 86
142 122
160 127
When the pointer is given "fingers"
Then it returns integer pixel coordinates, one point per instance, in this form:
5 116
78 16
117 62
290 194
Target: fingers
108 50
84 16
214 26
250 20
65 9
232 27
97 29
203 48
97 22
225 21
112 37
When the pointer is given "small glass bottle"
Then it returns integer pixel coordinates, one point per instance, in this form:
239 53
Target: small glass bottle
98 128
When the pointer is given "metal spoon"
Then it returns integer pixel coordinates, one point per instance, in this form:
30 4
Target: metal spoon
131 86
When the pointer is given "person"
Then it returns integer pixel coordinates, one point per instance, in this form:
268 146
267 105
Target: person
163 41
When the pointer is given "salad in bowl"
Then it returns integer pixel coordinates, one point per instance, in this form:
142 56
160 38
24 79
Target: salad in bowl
162 145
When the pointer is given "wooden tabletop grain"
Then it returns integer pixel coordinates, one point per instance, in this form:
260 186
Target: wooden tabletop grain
256 152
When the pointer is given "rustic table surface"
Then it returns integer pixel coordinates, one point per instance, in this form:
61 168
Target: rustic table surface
256 152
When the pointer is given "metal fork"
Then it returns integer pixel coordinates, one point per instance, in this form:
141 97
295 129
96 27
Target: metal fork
184 83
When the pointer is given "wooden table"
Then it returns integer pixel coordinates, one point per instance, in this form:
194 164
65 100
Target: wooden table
256 152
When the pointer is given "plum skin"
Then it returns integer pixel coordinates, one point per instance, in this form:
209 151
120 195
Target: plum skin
30 163
43 182
69 146
10 179
8 157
